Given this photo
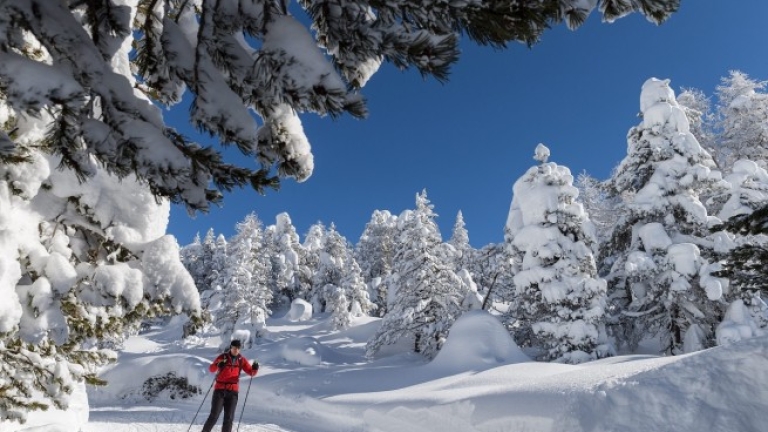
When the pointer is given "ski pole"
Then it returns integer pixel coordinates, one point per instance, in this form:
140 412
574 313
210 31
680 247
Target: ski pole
201 403
244 401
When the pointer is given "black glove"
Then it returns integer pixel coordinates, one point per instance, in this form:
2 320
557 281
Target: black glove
255 366
221 364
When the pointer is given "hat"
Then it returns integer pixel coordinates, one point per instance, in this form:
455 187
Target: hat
235 343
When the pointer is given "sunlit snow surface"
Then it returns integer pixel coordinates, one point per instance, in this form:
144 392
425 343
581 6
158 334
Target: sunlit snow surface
314 379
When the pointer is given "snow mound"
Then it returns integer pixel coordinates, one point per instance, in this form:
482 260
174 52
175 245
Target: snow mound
478 341
301 310
720 389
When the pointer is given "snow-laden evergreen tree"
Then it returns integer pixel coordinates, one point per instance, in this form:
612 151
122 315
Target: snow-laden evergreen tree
192 259
743 250
427 292
460 248
245 290
742 115
744 266
337 304
701 119
356 289
747 191
374 253
604 210
561 301
491 271
284 251
334 255
659 281
312 246
205 262
81 267
216 273
217 270
236 58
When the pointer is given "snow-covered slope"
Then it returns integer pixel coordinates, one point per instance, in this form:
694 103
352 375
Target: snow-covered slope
315 380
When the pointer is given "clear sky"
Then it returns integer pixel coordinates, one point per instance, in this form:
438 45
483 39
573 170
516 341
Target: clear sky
468 140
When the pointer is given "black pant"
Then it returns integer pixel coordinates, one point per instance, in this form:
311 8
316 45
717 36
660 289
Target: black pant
226 400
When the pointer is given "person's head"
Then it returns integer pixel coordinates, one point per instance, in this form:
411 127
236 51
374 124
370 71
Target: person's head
234 346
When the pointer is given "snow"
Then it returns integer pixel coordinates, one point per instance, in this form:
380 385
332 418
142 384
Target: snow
480 382
477 342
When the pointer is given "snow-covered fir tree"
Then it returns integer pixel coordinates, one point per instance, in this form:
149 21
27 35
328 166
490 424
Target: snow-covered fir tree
744 266
204 264
334 254
460 248
742 115
659 280
491 270
246 295
81 264
604 210
747 189
356 289
561 301
192 259
312 246
701 119
284 251
214 263
427 293
374 253
217 270
743 251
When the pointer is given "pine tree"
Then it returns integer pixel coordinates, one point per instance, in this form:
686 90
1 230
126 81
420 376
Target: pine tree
459 242
491 270
701 120
744 247
427 291
205 263
312 247
285 260
659 279
374 253
744 265
747 192
246 294
742 114
217 272
81 267
561 301
355 289
334 255
192 259
604 210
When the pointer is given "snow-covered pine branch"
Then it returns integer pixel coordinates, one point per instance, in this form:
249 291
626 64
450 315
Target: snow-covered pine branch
243 61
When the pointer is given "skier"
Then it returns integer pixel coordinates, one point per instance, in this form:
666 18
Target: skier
229 365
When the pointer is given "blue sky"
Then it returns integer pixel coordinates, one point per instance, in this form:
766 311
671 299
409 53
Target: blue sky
468 140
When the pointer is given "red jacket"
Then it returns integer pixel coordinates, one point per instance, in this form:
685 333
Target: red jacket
229 376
